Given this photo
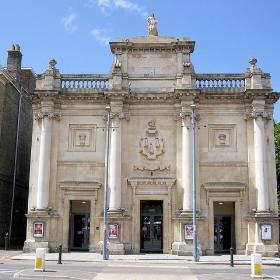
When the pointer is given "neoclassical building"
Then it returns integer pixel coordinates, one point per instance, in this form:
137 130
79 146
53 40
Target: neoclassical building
156 102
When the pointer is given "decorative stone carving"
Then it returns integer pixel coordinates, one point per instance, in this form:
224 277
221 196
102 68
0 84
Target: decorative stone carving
253 61
40 115
222 137
117 62
151 145
263 114
257 113
152 25
120 115
184 114
152 167
152 186
52 63
82 137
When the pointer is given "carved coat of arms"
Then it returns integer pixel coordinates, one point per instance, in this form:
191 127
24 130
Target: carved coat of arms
151 144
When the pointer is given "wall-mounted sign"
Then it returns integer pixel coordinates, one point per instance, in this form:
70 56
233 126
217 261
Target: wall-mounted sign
38 228
188 230
113 230
266 231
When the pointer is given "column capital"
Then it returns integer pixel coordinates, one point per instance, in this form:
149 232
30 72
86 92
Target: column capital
121 115
46 109
254 114
257 109
184 114
51 115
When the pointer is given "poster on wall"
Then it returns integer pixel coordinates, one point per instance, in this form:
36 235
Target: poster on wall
188 230
113 230
266 231
38 229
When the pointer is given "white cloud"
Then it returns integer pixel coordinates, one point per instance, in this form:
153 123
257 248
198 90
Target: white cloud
129 6
68 22
106 5
89 3
97 34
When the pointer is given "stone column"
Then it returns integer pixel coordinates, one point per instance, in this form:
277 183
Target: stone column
44 156
261 182
186 162
115 163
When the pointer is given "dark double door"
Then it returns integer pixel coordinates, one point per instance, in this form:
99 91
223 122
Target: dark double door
151 226
223 233
80 231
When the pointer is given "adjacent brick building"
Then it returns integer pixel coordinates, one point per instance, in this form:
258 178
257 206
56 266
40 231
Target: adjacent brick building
16 84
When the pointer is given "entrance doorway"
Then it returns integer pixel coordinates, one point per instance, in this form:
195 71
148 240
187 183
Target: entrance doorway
151 226
224 227
80 225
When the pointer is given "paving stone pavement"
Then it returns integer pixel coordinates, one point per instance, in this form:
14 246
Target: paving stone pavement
129 260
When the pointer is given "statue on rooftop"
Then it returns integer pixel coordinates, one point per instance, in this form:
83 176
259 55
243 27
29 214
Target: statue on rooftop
152 25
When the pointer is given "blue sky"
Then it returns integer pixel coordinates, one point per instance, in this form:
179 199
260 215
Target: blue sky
76 32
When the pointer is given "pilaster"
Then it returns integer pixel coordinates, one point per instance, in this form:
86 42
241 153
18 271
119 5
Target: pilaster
186 159
44 116
261 183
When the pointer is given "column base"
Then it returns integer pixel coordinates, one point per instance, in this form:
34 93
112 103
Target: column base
260 248
48 212
30 246
187 214
115 248
117 214
183 249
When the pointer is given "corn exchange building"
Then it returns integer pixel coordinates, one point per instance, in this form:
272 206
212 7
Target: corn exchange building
158 128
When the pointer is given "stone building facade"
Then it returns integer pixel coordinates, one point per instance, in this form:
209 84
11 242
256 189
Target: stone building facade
156 102
16 83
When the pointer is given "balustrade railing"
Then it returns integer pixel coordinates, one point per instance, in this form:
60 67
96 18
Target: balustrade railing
84 81
202 81
220 80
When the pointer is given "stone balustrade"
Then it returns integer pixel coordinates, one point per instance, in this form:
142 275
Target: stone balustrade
88 81
84 81
220 80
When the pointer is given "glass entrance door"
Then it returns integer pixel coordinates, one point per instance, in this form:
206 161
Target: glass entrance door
80 231
151 226
222 233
